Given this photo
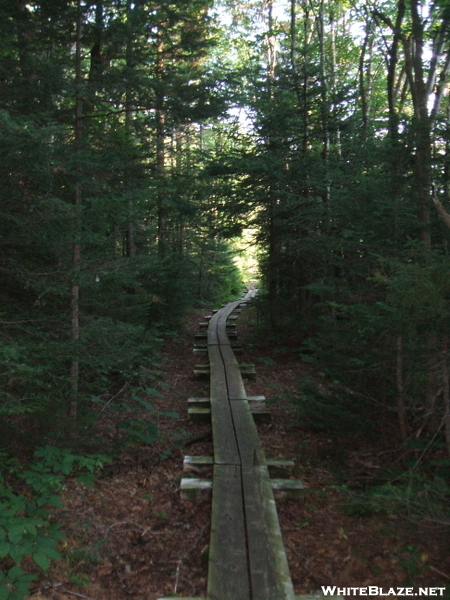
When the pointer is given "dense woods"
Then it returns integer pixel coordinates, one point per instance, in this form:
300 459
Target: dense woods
109 230
139 140
349 180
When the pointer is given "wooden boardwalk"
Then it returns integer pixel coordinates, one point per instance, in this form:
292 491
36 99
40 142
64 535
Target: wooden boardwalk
247 560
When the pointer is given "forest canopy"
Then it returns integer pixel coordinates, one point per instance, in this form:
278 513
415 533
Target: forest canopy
139 140
145 147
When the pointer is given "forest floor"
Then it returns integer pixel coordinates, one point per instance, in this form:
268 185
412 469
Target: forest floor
131 535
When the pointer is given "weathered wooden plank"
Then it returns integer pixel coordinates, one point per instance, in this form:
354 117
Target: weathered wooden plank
247 557
257 399
201 336
218 380
269 571
212 333
261 415
224 439
248 442
280 467
199 415
202 413
200 466
236 389
222 333
288 488
199 403
195 488
227 572
228 357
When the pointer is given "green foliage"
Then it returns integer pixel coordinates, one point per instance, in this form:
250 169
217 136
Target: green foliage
136 430
131 293
114 350
25 527
410 561
332 410
139 431
418 289
421 497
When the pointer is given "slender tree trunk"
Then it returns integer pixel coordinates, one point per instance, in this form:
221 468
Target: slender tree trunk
413 50
325 111
160 145
401 413
272 275
271 48
293 53
76 249
432 383
393 119
305 84
365 77
129 232
446 391
97 65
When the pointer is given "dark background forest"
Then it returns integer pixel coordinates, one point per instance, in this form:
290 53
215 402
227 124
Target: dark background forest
144 146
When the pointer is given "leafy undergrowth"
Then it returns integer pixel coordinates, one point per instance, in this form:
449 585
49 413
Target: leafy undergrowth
131 536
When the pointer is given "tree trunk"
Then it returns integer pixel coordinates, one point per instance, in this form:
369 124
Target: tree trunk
446 391
401 413
76 248
392 108
325 112
365 78
160 145
129 232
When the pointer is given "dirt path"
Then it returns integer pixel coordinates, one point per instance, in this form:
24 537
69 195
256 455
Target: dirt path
131 536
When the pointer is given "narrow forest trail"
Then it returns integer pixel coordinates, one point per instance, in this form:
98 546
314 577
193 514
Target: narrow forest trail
247 560
132 536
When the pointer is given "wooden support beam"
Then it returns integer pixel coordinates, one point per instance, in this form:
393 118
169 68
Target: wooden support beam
199 415
203 370
200 466
199 403
195 488
199 487
236 347
202 414
254 402
261 415
280 468
288 488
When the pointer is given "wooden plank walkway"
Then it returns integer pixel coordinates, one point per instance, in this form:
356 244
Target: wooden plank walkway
247 560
